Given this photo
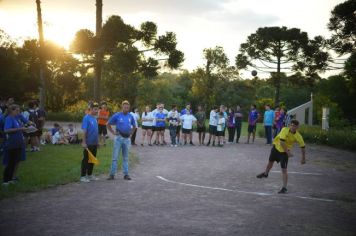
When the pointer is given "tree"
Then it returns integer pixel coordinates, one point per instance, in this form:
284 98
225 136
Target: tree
40 54
282 49
98 52
128 52
342 24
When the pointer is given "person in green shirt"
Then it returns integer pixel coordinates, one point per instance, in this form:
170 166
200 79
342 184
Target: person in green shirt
201 117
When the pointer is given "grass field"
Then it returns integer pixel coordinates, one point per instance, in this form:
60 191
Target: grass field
55 165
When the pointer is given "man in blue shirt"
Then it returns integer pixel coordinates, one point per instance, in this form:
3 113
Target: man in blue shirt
90 142
125 124
268 119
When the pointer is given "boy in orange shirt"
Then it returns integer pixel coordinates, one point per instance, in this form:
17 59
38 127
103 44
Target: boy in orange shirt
103 117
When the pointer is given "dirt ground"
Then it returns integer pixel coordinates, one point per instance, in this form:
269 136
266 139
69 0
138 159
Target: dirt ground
198 191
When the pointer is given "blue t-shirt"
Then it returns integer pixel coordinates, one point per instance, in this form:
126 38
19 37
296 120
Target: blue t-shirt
90 125
123 122
2 123
14 140
253 116
268 118
160 123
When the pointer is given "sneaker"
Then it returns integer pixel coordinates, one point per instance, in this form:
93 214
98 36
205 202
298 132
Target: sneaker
111 177
208 144
127 177
220 145
92 178
84 179
5 184
176 145
283 190
191 143
150 145
262 175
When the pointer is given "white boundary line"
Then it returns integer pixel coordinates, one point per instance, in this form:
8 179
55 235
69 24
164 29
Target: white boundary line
239 191
299 173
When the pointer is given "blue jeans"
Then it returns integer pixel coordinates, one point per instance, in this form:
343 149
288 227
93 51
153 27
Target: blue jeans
173 133
268 130
123 144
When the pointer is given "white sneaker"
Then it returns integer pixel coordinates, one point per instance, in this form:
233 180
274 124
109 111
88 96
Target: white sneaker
84 179
176 145
92 178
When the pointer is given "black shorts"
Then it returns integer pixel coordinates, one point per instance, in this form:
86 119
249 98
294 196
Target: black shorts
251 128
160 128
201 129
146 127
212 129
102 130
179 128
279 157
220 133
186 131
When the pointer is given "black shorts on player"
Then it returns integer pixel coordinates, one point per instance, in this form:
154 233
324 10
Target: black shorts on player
279 157
102 130
251 128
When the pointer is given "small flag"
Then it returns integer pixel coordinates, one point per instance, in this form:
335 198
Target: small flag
92 158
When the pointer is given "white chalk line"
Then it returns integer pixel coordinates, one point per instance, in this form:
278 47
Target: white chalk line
299 173
240 191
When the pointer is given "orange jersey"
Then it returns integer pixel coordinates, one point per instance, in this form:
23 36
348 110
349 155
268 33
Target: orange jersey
101 114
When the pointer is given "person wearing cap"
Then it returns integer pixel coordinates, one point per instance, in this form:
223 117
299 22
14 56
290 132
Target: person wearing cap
125 125
90 142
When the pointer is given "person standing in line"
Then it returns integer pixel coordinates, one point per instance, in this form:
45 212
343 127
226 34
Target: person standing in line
147 122
154 112
90 142
238 122
14 143
103 117
220 129
268 120
160 125
212 125
187 126
183 112
281 151
280 121
201 117
277 112
173 120
231 125
253 117
125 124
136 115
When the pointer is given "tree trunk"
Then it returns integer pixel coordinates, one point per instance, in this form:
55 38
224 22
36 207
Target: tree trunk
278 82
98 52
41 56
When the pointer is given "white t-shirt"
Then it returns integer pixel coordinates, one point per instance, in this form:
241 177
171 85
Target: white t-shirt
136 117
188 121
56 137
148 116
212 118
221 124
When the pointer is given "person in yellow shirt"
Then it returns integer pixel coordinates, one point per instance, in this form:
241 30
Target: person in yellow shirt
281 151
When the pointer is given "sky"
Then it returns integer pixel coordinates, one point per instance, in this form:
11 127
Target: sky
198 24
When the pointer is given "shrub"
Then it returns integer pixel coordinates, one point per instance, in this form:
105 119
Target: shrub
340 138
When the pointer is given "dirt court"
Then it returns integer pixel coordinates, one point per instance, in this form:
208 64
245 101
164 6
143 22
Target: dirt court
199 191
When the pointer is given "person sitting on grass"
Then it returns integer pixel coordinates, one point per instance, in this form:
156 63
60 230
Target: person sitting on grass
59 137
281 151
71 135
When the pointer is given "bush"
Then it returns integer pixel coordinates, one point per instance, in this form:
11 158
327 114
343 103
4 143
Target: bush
65 116
340 138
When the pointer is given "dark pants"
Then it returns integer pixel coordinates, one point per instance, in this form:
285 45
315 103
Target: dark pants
231 131
268 132
133 136
87 168
238 126
14 156
173 133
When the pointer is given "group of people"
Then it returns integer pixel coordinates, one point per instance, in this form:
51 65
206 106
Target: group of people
97 122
